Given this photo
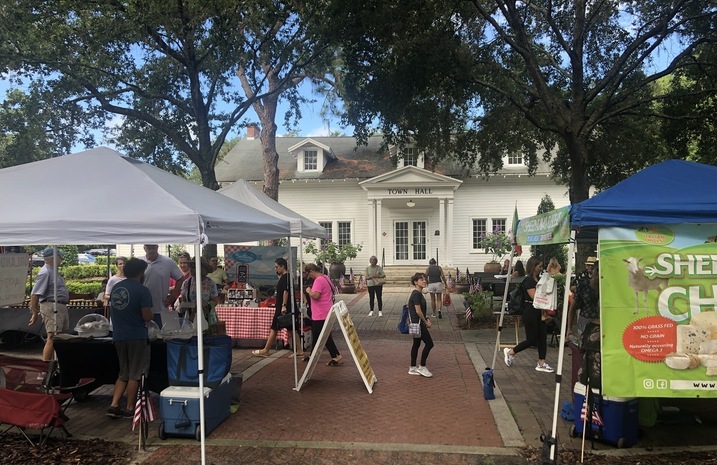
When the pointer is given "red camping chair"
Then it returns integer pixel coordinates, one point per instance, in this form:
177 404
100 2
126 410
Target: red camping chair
29 401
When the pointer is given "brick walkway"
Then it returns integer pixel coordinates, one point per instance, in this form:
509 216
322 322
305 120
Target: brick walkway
333 419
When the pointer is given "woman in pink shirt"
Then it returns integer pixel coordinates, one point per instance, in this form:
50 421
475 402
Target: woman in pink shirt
321 294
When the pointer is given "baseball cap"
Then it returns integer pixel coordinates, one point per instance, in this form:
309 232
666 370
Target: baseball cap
48 252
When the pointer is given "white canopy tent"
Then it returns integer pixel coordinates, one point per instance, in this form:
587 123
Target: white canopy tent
123 200
301 227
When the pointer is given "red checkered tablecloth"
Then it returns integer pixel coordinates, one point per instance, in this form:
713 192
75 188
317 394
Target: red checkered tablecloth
249 322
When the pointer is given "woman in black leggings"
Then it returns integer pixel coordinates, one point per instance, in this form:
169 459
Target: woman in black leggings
535 328
417 313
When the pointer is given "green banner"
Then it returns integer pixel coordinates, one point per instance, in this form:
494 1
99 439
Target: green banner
547 228
657 302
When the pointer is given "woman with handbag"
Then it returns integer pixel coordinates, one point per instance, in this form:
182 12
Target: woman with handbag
282 307
375 279
535 327
417 314
436 283
321 293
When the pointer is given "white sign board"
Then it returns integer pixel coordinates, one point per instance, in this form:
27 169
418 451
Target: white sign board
340 313
13 276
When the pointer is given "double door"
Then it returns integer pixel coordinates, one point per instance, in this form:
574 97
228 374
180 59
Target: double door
410 243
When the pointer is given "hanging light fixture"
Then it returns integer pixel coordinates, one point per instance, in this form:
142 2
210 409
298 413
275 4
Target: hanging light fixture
410 204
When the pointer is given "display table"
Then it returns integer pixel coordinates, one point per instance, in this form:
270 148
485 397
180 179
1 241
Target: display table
97 358
249 326
17 319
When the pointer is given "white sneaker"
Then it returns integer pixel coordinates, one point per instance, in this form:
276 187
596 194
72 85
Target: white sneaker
423 371
507 358
370 313
413 371
544 367
380 313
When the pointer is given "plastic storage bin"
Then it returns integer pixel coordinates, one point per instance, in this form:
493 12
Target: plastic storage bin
619 417
94 325
179 409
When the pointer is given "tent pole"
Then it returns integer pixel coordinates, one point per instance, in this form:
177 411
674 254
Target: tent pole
200 345
561 344
502 308
290 272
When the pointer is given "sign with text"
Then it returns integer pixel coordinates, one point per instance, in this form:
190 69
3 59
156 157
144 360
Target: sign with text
14 268
552 227
339 313
658 299
254 264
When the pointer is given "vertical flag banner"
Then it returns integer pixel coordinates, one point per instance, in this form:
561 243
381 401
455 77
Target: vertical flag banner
657 301
516 246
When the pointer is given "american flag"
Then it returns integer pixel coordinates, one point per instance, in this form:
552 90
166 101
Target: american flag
597 420
469 314
351 275
475 286
144 407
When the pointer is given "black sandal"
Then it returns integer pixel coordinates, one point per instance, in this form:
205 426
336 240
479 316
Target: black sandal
333 363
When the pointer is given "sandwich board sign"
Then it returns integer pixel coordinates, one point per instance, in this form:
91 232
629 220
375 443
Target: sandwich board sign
339 313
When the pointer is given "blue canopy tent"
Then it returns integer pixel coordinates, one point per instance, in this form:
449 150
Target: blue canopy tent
670 192
674 191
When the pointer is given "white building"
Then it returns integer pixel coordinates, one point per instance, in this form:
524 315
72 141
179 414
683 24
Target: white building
399 209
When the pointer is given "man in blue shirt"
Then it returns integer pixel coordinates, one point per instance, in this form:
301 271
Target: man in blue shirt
131 309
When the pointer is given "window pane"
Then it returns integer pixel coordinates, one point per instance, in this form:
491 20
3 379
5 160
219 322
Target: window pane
410 157
311 160
498 224
479 230
515 159
401 232
328 226
344 230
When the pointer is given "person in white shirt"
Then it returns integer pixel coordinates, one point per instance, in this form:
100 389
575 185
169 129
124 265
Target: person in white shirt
156 279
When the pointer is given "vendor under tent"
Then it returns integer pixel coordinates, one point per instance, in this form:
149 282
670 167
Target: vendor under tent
136 203
657 227
301 227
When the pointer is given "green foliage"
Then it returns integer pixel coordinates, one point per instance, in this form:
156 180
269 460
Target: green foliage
481 304
331 252
85 287
77 272
181 76
474 81
546 252
496 243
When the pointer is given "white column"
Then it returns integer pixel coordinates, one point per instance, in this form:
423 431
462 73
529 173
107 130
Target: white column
449 232
372 227
442 230
379 230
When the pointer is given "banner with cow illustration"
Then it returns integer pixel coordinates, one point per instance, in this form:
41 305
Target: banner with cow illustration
658 296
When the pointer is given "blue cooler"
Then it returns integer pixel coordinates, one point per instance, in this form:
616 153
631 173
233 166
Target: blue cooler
619 416
179 409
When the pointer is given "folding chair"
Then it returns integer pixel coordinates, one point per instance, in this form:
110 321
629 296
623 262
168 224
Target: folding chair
30 410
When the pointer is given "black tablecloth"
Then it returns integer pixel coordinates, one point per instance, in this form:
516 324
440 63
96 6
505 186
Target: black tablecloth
92 358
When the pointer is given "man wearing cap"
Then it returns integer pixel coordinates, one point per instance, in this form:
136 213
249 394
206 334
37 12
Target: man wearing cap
586 301
48 295
156 279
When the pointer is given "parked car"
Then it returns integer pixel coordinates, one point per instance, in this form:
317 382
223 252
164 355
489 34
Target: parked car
101 252
86 259
37 259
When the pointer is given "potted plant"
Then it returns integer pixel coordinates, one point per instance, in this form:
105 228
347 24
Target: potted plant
462 283
496 243
334 255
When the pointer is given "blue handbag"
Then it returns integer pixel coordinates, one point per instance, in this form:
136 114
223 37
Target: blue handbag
403 322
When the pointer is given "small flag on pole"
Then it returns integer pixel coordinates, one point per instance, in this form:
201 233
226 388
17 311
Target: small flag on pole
596 419
143 408
351 275
469 314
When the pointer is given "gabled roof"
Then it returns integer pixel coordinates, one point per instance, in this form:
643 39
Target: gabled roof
311 142
244 161
410 175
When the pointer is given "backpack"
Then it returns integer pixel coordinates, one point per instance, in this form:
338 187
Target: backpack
516 301
403 322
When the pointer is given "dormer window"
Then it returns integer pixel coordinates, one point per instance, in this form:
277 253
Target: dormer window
311 160
515 159
311 155
410 156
